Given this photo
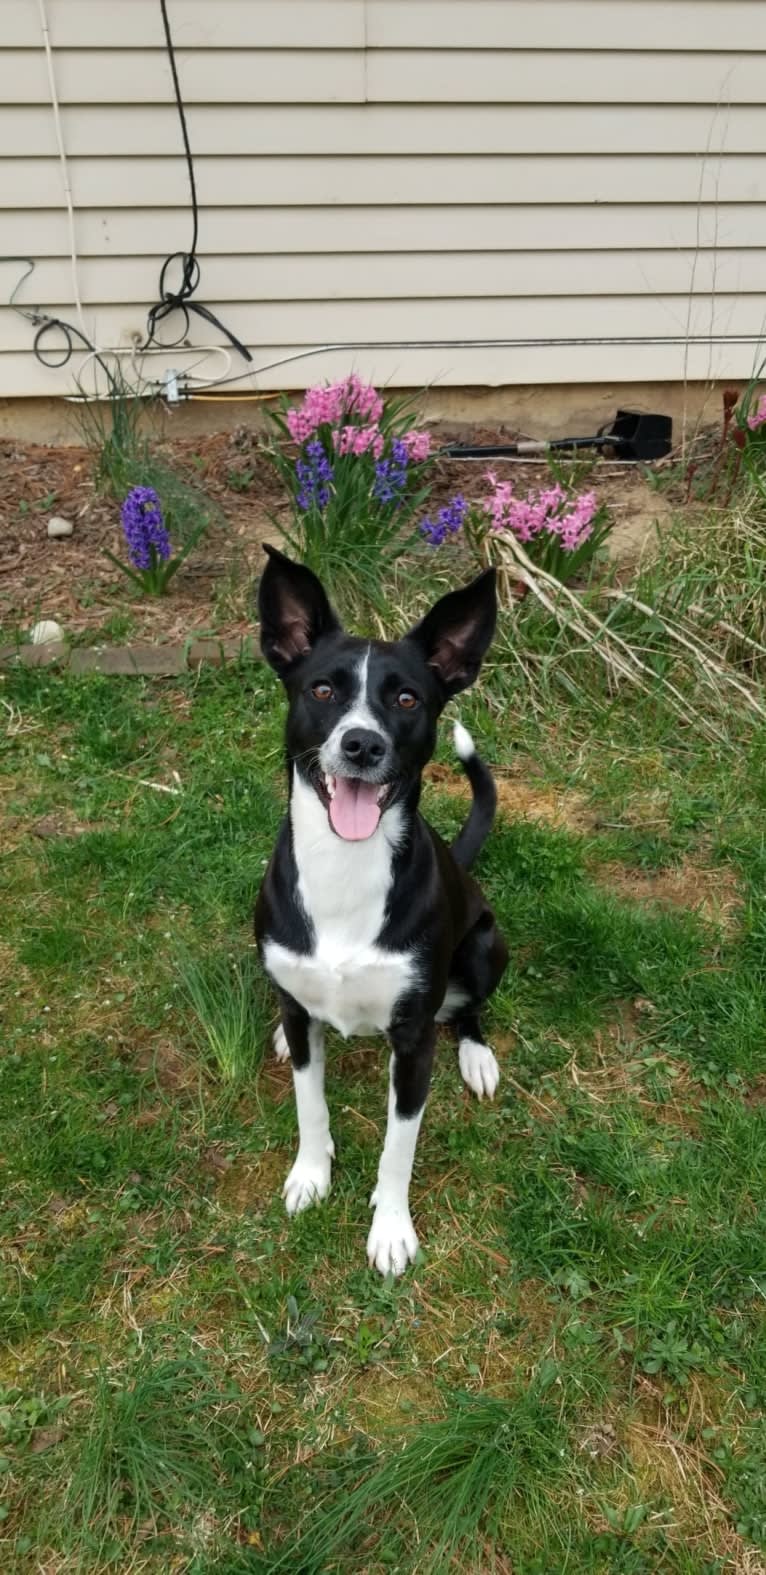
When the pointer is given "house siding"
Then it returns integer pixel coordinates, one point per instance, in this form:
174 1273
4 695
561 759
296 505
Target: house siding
390 171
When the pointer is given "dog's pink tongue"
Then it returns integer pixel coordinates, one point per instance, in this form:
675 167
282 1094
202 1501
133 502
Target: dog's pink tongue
354 810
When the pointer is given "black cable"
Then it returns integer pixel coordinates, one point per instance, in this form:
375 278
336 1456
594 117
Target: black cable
44 323
180 300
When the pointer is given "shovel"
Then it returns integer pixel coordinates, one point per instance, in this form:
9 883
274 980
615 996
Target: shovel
631 436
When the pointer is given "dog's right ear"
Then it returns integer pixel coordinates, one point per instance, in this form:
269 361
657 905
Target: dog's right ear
294 611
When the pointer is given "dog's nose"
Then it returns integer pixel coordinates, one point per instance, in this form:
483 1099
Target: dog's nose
362 747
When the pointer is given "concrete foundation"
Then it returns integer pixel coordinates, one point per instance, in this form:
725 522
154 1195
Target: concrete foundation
544 411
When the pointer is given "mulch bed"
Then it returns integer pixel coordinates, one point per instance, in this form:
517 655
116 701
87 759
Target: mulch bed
72 581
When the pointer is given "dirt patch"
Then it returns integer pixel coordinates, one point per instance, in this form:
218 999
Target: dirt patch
166 1063
711 892
63 823
252 1181
756 1094
598 1440
521 800
527 801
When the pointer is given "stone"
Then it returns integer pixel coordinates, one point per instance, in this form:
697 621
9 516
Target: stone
58 526
45 632
151 661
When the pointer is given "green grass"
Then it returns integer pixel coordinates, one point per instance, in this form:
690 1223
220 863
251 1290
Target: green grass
226 998
574 1378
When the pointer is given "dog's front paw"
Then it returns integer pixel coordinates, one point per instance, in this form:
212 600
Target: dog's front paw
392 1242
281 1047
308 1181
478 1068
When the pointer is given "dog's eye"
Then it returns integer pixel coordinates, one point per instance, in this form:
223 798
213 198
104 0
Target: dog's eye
322 691
406 699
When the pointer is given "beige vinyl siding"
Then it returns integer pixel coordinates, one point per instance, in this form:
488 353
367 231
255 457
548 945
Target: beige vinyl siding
397 76
658 25
356 129
389 170
327 182
365 231
422 275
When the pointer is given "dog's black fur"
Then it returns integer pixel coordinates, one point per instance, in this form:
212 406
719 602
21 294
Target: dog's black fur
433 912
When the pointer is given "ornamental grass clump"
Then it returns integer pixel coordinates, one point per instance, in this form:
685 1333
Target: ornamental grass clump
357 473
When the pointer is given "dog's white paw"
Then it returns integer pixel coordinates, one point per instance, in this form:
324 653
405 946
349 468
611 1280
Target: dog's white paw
281 1047
392 1243
478 1068
308 1181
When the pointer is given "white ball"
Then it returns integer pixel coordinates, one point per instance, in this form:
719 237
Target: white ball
45 632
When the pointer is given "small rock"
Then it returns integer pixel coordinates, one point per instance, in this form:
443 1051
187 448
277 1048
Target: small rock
46 632
57 526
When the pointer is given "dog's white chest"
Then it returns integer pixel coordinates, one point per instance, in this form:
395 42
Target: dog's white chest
347 980
356 995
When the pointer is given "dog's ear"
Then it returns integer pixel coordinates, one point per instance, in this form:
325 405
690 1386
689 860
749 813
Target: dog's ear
455 635
294 611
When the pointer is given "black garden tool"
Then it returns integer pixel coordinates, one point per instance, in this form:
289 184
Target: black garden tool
633 435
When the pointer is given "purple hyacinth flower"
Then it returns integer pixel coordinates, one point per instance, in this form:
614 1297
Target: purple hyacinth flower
314 474
391 475
144 527
448 522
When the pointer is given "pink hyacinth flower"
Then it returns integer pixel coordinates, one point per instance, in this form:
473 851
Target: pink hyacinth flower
759 415
417 444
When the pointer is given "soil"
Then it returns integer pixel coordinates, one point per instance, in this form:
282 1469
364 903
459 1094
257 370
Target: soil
712 892
521 798
71 580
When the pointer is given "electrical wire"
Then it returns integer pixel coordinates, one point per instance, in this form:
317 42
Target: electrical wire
45 324
179 300
492 344
147 387
64 167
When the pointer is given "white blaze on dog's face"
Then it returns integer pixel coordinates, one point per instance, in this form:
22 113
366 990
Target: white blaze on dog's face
362 714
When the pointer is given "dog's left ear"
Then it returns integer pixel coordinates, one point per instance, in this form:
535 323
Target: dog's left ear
456 634
293 609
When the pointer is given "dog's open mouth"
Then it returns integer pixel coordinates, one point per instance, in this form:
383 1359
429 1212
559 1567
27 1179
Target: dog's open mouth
354 806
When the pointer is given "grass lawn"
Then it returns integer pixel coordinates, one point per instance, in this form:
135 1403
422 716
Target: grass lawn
574 1376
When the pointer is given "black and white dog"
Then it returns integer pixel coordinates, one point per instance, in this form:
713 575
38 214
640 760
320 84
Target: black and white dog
366 921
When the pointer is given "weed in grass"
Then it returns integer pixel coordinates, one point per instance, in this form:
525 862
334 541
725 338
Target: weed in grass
228 1010
743 1464
670 1354
303 1346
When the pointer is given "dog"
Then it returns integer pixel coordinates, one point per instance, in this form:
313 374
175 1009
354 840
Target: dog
366 921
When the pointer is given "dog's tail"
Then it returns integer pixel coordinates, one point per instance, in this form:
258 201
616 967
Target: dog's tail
472 836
